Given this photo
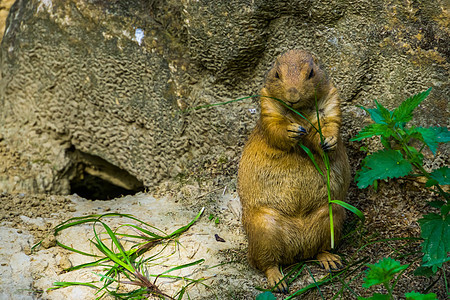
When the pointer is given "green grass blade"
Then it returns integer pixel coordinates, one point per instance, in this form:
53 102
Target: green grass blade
148 232
62 284
220 103
307 288
86 265
300 266
106 277
311 156
248 97
184 228
75 250
315 282
96 217
173 277
132 218
61 227
134 236
183 266
350 208
119 246
293 110
110 254
87 219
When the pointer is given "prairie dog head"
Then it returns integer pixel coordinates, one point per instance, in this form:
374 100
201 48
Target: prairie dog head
296 79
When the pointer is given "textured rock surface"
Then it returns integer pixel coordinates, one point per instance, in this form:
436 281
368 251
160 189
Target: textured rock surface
98 87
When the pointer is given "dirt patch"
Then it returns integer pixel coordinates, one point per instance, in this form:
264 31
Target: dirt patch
36 214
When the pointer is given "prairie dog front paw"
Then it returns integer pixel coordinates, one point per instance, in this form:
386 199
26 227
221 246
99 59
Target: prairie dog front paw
329 143
295 132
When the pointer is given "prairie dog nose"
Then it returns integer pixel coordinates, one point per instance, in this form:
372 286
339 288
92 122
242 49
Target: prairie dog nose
292 91
292 94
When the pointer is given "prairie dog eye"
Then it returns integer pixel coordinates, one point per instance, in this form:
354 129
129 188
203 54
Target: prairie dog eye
311 74
277 75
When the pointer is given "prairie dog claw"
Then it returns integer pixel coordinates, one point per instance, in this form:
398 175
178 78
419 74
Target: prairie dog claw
295 131
329 143
329 261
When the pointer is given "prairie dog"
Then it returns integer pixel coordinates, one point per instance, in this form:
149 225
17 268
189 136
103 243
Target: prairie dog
284 198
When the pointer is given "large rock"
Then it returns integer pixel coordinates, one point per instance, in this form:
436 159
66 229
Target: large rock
99 89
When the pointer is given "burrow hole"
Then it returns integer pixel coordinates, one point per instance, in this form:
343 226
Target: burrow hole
96 179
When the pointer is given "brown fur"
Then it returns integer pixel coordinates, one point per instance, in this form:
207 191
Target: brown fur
284 198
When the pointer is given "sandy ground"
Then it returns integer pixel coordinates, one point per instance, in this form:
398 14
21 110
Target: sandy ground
27 275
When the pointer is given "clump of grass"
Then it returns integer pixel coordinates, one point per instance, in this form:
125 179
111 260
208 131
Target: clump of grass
127 267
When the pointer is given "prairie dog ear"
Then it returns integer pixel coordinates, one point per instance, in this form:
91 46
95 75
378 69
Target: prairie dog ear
315 60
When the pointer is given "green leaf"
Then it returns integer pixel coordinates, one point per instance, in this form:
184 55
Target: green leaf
384 112
383 164
443 135
375 185
61 284
431 136
436 204
363 149
403 113
445 209
350 208
431 182
423 271
382 272
379 115
186 227
436 245
373 129
311 156
386 143
418 296
376 296
416 157
439 176
266 296
113 256
183 266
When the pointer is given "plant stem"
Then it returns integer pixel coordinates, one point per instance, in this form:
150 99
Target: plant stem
418 166
389 289
330 205
326 161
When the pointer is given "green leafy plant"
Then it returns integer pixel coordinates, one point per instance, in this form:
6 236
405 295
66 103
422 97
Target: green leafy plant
399 158
383 273
126 267
266 296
